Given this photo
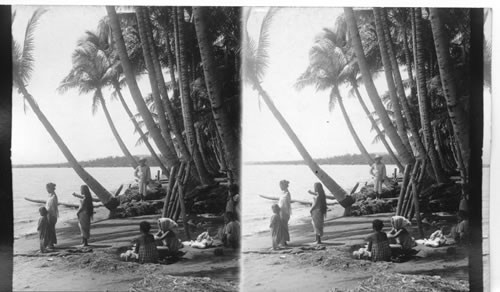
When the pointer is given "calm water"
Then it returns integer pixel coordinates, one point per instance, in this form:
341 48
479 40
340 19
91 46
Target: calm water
264 180
30 182
256 180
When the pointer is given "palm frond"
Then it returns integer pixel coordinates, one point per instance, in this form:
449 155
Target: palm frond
262 57
333 99
305 79
140 141
17 53
26 61
13 17
96 101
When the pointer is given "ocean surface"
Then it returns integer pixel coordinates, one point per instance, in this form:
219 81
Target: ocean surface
30 182
257 180
264 180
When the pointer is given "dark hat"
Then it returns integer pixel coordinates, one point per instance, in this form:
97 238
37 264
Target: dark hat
51 184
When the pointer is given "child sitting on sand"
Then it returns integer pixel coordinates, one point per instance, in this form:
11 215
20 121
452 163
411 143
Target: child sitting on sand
231 236
43 229
145 245
277 230
378 244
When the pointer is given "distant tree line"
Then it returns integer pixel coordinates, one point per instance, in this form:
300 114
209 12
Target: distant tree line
350 159
110 161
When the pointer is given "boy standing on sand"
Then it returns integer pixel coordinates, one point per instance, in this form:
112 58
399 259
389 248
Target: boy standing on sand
43 229
143 174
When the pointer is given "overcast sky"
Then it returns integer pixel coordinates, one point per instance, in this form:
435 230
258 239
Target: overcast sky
323 133
87 136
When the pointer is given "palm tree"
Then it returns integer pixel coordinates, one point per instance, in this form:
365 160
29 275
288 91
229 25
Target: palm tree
22 65
104 41
168 153
403 152
222 121
399 85
89 74
138 129
255 60
456 110
381 135
146 50
187 107
388 70
326 70
423 99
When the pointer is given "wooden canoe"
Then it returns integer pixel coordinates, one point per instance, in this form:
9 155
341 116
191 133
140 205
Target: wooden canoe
294 200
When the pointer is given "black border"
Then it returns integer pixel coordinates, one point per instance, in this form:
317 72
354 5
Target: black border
476 143
6 202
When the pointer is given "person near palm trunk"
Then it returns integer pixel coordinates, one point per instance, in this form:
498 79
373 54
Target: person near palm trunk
143 175
379 173
285 207
318 211
52 213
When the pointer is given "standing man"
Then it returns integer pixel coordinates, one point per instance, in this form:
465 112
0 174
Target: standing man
52 213
378 172
285 207
143 174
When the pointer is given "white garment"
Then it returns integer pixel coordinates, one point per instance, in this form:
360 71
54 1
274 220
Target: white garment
51 206
285 203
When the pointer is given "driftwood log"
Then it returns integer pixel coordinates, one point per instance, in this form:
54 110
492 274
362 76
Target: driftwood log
60 203
81 197
294 200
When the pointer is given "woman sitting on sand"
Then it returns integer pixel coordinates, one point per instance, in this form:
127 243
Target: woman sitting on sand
285 204
145 245
405 242
85 214
318 211
378 244
167 236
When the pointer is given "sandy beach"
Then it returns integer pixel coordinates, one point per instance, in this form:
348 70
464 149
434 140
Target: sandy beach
71 268
305 266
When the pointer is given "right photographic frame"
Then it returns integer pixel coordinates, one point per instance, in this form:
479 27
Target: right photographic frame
365 148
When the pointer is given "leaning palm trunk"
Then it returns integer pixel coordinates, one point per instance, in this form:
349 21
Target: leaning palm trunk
169 154
400 88
456 111
403 152
347 120
106 198
377 129
146 51
388 71
139 130
174 124
339 193
423 100
118 139
221 118
187 106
